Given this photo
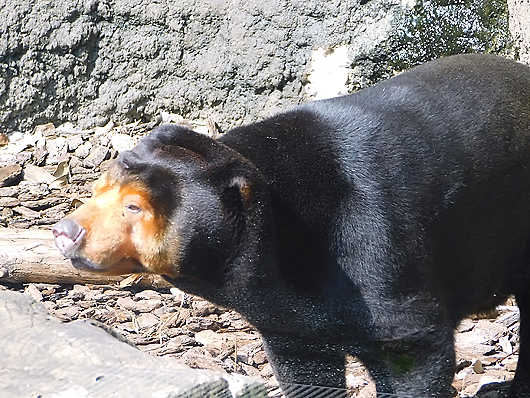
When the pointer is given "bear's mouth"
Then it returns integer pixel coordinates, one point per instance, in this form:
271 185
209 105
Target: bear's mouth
83 264
126 265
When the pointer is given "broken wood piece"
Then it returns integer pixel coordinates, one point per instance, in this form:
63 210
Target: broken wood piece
30 256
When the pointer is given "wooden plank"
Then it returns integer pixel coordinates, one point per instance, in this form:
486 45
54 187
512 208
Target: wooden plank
30 256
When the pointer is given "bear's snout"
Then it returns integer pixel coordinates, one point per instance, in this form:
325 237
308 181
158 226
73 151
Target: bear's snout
67 234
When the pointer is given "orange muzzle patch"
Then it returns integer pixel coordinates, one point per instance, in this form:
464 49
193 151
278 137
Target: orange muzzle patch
122 231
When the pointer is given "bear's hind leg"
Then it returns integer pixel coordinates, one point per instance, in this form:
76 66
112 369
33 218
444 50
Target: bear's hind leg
521 383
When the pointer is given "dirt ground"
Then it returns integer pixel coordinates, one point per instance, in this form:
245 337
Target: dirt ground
168 322
45 174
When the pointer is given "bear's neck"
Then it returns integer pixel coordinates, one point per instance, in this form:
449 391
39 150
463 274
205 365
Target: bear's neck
251 267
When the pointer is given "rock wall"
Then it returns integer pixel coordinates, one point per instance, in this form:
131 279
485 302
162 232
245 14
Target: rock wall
520 27
91 61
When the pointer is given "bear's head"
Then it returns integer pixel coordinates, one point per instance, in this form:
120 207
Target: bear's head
179 203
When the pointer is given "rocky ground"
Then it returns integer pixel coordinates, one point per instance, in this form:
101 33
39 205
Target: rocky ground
170 323
45 174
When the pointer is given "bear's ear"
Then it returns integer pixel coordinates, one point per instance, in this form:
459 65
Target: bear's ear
129 159
238 195
174 135
245 190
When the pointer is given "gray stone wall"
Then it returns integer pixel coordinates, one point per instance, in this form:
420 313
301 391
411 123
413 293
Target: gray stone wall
520 27
87 61
92 61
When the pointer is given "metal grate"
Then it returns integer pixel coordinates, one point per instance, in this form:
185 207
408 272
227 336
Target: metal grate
210 390
305 391
289 390
300 390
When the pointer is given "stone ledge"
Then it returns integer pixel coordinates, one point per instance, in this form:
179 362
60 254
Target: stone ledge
43 357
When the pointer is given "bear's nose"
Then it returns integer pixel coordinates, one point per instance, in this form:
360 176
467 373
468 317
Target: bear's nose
67 234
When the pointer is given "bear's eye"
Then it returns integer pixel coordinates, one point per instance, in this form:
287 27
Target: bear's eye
133 208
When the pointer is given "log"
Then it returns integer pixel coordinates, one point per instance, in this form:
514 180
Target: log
30 256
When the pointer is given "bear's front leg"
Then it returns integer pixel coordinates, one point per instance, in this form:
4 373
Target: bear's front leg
300 362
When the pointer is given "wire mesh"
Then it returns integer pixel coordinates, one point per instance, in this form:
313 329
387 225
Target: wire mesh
221 389
289 390
306 391
211 390
300 390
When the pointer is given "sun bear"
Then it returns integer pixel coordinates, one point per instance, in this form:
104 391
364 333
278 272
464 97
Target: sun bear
368 224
